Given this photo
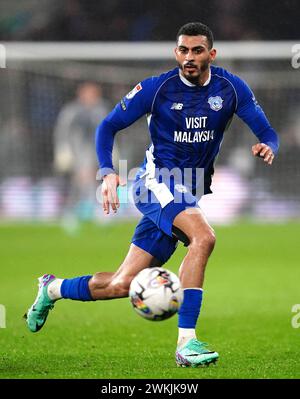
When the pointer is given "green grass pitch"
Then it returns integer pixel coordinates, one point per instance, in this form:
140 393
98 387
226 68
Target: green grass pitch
252 282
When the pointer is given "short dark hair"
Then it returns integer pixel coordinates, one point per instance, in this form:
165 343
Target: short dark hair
195 29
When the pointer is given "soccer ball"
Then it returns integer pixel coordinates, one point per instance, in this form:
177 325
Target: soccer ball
155 293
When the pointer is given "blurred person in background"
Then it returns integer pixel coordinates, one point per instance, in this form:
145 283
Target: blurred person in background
74 149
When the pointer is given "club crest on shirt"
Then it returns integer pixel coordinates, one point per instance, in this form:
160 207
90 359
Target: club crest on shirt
215 103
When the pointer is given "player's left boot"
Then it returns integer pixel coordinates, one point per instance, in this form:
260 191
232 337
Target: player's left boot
194 354
38 312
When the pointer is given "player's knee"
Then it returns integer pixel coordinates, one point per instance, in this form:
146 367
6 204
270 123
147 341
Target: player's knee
209 239
206 239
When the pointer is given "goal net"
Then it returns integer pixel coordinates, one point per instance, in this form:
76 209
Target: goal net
52 93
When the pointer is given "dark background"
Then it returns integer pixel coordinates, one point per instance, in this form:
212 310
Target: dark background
135 20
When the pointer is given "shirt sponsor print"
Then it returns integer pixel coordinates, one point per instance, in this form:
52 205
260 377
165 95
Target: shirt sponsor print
133 92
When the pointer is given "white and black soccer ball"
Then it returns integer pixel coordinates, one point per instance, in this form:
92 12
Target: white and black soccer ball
155 293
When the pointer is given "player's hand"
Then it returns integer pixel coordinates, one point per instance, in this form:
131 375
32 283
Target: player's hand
110 197
264 151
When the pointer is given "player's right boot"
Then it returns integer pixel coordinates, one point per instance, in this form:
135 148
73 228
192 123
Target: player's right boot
37 314
194 354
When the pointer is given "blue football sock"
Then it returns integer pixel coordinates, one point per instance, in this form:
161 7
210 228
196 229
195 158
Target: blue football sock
76 288
190 309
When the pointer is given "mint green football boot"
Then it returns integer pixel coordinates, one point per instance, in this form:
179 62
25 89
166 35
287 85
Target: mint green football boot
194 354
38 312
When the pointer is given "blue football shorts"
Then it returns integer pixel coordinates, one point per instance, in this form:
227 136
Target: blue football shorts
160 203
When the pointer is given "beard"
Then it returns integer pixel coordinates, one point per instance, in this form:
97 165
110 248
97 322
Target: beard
195 75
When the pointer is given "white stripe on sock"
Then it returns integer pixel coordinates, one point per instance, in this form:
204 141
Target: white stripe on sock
53 289
184 335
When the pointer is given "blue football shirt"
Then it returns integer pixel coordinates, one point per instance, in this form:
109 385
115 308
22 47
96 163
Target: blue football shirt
186 122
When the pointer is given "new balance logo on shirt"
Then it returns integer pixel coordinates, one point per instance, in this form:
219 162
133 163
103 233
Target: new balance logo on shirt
177 106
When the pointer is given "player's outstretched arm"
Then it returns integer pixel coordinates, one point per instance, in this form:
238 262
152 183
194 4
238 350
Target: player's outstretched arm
264 151
253 115
109 193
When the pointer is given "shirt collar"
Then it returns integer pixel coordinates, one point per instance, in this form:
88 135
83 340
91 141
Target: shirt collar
186 82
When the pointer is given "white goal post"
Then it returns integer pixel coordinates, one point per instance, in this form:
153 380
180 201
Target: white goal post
141 50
